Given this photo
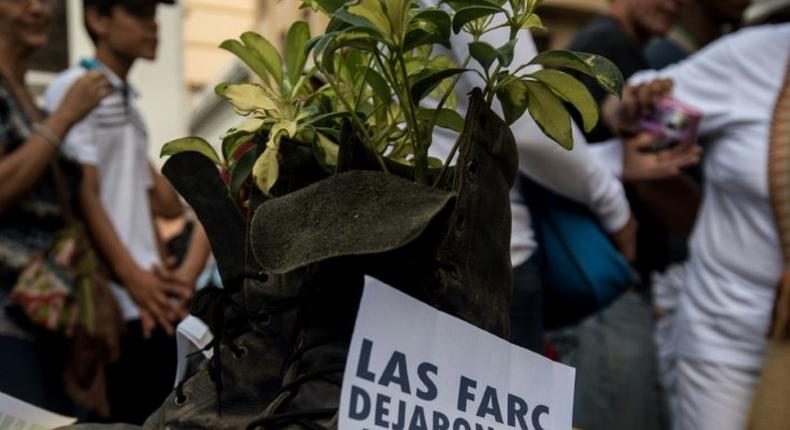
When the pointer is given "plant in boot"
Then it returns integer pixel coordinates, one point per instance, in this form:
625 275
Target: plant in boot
376 64
379 63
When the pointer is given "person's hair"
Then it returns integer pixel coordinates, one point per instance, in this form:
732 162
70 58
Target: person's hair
103 7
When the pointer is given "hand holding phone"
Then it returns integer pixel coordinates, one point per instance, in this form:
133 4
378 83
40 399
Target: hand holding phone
674 121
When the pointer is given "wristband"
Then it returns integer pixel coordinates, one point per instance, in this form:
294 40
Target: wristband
47 134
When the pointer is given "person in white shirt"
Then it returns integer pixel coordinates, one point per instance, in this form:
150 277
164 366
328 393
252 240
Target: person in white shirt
735 257
576 174
120 194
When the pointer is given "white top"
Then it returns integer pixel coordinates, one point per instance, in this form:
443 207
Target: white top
735 257
575 174
113 138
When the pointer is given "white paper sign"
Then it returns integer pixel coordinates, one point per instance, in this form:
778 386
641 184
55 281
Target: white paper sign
18 415
412 367
192 334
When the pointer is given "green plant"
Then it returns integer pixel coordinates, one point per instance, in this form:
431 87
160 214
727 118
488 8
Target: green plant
377 63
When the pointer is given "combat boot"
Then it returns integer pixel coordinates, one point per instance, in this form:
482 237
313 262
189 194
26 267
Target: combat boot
448 247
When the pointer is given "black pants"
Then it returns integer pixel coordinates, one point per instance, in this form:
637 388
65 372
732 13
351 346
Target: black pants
526 309
139 382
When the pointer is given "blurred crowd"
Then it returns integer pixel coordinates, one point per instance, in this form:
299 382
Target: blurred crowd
696 206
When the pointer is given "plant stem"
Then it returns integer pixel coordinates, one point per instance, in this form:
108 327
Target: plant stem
420 146
447 162
446 96
359 122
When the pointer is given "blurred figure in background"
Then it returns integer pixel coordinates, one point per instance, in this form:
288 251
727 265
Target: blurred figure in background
736 258
616 356
31 367
701 22
120 195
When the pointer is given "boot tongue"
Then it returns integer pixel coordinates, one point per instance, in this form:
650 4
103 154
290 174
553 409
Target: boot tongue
197 179
492 134
351 213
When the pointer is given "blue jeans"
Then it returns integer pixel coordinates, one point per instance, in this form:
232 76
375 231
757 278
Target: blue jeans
526 309
614 354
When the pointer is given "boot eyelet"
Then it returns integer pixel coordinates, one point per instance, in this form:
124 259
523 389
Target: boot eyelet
459 220
180 400
240 353
471 168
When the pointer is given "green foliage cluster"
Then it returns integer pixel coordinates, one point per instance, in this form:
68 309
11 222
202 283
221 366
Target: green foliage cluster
375 66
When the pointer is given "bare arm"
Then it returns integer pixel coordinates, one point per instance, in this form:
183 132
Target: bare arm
147 289
165 202
22 169
196 256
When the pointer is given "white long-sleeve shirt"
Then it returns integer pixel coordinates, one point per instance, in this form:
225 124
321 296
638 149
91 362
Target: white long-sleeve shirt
735 256
574 174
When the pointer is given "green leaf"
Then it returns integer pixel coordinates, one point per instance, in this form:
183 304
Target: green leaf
194 144
342 20
459 4
533 21
468 14
397 12
266 170
267 53
295 55
241 172
324 117
231 143
435 163
288 128
328 150
549 113
428 27
248 126
424 86
573 92
327 6
247 98
505 53
483 53
379 85
513 98
357 39
251 60
373 12
602 70
448 118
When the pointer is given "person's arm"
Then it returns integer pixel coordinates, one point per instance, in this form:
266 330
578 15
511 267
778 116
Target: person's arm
22 168
575 174
196 257
149 291
631 159
703 81
164 200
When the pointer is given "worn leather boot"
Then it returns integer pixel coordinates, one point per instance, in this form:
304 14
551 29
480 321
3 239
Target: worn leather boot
254 317
448 247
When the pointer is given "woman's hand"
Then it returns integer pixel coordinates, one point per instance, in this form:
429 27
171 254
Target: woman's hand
642 163
638 101
83 96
